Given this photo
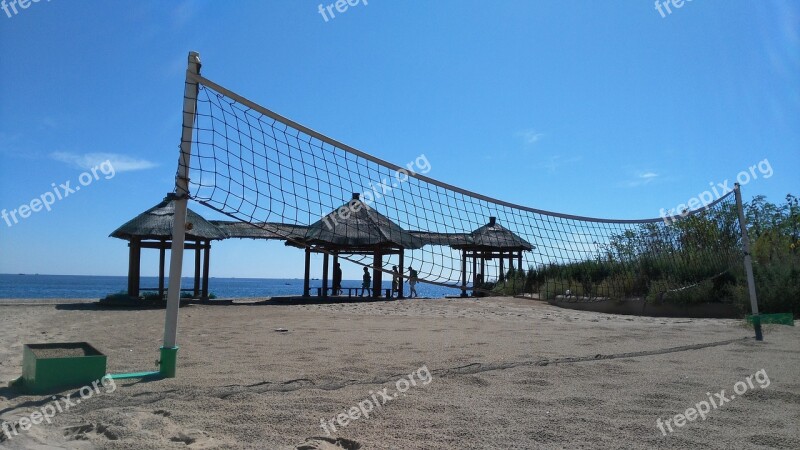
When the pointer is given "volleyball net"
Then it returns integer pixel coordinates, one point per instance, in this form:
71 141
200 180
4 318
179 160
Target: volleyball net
286 181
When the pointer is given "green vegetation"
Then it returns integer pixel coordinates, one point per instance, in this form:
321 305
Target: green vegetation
696 259
148 297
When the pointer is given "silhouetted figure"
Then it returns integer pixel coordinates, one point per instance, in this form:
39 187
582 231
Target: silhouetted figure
337 279
366 284
395 280
412 282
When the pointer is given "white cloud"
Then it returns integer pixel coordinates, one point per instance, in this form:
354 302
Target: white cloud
530 137
121 163
641 179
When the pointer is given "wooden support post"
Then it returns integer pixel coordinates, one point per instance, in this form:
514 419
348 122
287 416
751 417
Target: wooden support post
334 281
402 271
463 273
474 272
134 263
502 275
162 256
325 259
307 273
376 273
196 287
206 267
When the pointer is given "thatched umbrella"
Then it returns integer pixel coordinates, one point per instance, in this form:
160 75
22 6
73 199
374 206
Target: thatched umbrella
355 228
153 229
490 241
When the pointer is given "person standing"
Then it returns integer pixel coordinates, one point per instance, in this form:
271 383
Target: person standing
412 282
395 280
367 282
337 279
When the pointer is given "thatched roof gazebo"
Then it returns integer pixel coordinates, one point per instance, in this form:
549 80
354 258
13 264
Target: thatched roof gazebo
153 229
354 228
490 241
260 230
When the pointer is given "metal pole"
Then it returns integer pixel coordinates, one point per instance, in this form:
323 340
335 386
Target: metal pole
169 350
748 263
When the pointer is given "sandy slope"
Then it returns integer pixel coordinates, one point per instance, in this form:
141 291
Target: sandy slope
504 373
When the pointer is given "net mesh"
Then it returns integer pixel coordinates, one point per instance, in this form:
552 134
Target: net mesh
288 182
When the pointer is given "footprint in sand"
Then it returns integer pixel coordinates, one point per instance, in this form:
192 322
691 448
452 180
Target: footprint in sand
82 432
324 443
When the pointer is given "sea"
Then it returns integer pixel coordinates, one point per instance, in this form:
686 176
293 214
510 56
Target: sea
23 286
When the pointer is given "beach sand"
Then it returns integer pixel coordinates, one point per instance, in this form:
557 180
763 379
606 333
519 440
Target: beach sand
503 373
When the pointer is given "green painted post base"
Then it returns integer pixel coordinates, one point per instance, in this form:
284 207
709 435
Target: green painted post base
127 376
16 383
757 326
169 359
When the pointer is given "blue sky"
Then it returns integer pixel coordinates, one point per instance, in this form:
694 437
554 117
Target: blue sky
602 108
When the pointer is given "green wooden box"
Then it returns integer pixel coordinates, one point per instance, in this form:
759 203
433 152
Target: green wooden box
780 318
51 367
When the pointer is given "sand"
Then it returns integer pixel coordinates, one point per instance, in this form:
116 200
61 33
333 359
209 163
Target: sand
487 373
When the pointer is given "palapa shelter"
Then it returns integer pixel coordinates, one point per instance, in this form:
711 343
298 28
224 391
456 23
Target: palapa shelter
260 230
490 241
355 228
153 229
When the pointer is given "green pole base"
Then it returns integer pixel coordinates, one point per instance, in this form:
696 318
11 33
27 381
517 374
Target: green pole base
17 383
757 326
169 359
127 376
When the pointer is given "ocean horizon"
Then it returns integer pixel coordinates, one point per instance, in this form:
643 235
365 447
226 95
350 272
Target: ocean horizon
34 286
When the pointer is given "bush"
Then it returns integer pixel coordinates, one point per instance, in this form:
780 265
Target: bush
697 259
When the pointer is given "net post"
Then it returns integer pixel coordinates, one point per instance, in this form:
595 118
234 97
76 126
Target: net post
170 349
748 263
